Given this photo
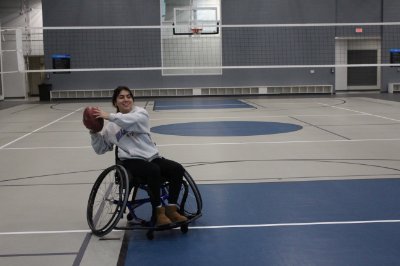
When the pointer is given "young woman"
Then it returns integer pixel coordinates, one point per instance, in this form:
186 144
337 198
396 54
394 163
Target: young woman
129 129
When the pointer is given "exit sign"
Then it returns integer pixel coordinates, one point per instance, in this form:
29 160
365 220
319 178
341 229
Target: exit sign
359 30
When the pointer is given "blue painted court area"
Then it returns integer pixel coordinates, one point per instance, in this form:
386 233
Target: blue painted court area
352 222
198 103
225 128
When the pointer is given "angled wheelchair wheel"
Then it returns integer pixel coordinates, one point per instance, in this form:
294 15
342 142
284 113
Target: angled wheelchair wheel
107 200
190 200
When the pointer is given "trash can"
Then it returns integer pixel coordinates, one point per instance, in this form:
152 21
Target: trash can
44 92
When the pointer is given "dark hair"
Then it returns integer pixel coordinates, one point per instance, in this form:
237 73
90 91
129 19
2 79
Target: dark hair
117 91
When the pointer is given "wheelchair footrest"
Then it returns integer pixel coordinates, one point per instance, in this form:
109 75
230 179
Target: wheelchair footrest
149 226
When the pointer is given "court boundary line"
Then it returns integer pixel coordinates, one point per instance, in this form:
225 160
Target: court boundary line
361 112
274 142
254 118
40 128
295 224
36 254
217 227
220 143
320 128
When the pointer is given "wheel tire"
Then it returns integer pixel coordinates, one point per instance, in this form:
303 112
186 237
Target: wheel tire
107 200
150 235
190 201
184 228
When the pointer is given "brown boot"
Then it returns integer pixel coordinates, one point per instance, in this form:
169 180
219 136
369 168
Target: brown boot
161 219
172 213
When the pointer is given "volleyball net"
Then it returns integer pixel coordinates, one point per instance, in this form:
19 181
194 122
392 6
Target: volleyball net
201 49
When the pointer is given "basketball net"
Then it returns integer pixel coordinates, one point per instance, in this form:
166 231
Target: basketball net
196 31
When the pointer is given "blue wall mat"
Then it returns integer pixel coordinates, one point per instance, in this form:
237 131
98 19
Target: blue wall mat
225 128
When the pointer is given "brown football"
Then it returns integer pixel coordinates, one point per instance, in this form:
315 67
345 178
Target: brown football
90 121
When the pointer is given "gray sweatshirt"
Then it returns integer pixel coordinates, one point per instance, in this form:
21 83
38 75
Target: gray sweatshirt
130 132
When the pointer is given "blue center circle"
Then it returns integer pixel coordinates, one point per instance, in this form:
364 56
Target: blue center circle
225 128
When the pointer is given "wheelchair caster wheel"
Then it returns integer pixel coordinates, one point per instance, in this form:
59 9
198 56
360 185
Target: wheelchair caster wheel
129 217
150 235
184 228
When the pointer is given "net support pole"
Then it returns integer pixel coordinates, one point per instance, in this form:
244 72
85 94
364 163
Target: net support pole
19 53
1 66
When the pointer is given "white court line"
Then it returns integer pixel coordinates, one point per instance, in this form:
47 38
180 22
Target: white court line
234 117
294 224
360 112
201 105
43 232
36 130
217 227
249 117
220 143
48 148
273 142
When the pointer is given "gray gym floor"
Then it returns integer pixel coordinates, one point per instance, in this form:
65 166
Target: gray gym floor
275 196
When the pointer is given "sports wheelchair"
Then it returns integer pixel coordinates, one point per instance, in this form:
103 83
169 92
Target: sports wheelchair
109 200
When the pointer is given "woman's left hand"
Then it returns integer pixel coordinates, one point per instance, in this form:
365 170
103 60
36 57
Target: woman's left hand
100 113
